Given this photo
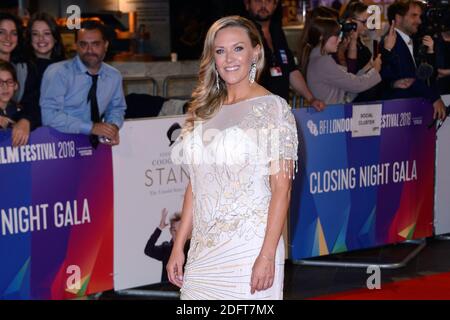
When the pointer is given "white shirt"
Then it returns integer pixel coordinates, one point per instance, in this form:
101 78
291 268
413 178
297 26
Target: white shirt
408 42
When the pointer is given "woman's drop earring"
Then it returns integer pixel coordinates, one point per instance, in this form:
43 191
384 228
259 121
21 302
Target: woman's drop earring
217 80
252 74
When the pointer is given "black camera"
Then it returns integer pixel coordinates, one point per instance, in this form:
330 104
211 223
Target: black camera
347 27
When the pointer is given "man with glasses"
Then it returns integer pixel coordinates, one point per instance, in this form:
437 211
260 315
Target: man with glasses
84 95
353 53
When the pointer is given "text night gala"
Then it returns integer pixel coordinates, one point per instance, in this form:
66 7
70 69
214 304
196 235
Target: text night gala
43 216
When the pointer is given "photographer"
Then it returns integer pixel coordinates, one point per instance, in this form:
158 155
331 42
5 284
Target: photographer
403 75
352 52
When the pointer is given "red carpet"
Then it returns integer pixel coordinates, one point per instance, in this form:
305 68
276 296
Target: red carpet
434 287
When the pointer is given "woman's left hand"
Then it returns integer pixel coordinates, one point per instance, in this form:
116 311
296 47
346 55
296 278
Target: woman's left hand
20 133
263 273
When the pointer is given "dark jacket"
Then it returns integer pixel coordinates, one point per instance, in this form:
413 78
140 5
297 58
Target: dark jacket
28 94
161 252
399 64
281 57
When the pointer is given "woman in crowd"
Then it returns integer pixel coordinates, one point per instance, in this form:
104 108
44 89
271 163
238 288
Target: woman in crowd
43 44
320 11
11 50
240 178
328 80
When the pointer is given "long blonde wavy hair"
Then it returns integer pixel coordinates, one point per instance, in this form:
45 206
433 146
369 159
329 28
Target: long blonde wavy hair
207 99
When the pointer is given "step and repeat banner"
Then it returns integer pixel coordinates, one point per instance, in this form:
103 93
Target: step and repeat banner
366 177
149 191
56 217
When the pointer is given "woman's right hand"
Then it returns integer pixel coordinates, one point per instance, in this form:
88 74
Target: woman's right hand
175 268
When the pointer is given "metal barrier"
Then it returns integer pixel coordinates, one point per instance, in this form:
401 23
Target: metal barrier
148 293
180 78
153 86
420 244
297 101
313 238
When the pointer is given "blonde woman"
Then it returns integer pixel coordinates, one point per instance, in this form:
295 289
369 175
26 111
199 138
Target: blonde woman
240 146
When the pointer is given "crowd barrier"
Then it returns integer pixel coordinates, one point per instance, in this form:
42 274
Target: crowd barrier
67 232
366 177
56 211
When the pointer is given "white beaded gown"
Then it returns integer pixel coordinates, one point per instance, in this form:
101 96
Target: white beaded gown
228 159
